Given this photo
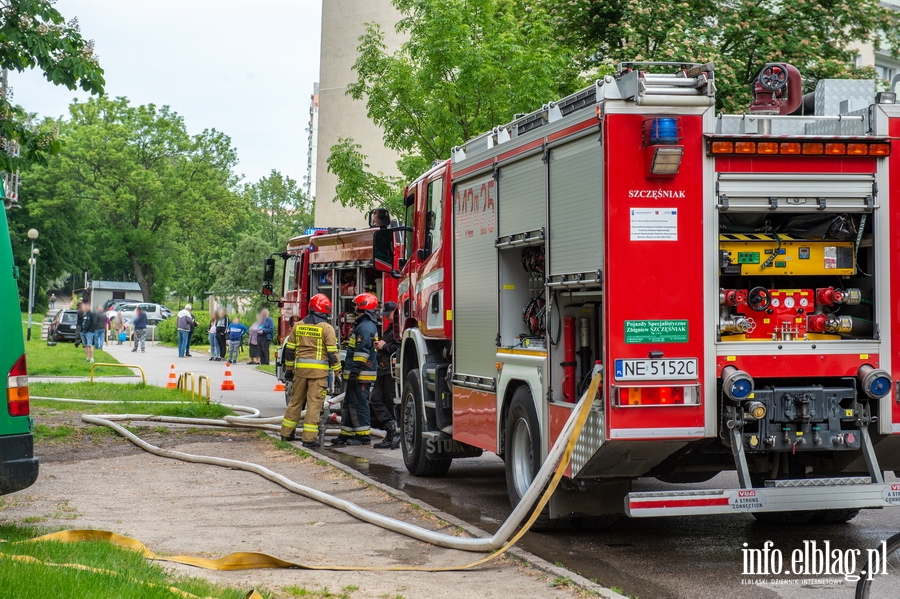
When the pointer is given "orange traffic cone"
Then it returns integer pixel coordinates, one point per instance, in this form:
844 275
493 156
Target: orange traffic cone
227 383
172 383
279 386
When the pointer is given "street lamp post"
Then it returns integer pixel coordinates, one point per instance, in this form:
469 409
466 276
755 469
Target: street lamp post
32 261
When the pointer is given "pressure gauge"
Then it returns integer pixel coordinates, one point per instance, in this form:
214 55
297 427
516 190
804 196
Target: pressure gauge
775 302
804 302
788 302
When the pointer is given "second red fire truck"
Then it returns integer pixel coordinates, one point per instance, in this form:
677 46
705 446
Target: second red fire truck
735 278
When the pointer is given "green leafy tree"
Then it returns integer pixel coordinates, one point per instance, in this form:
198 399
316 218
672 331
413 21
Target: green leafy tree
738 36
240 274
279 209
33 34
148 190
468 66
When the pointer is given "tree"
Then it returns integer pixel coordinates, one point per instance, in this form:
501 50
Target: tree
468 66
278 211
738 36
279 208
33 34
148 189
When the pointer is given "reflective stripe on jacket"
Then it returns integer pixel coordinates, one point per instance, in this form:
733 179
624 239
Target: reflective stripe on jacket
311 348
360 358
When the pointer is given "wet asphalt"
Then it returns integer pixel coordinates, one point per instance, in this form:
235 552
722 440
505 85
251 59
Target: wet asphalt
697 557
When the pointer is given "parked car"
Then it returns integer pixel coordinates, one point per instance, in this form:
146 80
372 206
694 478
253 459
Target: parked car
154 312
18 465
62 327
116 304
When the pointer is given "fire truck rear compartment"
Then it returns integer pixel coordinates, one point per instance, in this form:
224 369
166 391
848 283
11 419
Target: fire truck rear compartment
796 277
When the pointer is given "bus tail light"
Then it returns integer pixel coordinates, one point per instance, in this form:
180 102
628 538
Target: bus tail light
17 389
657 395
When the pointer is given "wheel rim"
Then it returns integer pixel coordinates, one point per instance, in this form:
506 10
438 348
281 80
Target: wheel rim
522 458
409 423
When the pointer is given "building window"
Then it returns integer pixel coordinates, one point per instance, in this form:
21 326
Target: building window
886 73
118 295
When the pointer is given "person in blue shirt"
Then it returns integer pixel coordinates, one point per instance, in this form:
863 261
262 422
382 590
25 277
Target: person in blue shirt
236 332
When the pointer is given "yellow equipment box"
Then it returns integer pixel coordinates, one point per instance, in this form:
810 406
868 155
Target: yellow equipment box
758 254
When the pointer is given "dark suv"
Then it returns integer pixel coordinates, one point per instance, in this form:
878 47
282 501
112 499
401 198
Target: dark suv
62 327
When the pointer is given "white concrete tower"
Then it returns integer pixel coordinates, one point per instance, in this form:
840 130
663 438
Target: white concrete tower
343 22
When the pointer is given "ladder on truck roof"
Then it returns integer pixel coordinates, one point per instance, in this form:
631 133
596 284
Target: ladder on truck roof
690 85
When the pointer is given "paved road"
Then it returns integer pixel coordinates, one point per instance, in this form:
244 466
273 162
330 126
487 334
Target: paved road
252 387
677 558
663 558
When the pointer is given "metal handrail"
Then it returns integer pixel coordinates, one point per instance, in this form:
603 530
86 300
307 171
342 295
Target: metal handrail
182 384
95 364
200 380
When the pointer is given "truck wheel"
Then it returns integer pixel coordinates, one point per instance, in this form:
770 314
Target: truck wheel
523 455
834 516
412 415
782 518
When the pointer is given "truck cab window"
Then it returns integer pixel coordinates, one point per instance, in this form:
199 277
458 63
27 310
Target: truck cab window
433 210
409 220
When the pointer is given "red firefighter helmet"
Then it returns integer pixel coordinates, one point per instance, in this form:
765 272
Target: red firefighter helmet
320 303
366 301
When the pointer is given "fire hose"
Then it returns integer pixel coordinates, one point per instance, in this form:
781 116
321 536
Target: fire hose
540 491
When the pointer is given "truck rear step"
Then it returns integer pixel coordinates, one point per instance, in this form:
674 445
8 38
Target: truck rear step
782 496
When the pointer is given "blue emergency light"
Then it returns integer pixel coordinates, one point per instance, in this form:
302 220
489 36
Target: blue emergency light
663 131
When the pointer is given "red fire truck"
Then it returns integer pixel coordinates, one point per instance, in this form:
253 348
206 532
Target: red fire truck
336 262
735 277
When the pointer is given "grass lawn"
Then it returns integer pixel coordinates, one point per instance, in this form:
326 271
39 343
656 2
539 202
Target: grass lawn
270 368
134 395
62 359
128 576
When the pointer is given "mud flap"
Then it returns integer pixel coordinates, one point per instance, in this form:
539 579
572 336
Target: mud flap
440 445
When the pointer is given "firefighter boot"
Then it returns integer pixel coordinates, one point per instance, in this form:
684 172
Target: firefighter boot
391 435
361 440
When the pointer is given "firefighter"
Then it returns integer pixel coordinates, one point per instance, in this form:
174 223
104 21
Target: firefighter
382 396
309 353
359 373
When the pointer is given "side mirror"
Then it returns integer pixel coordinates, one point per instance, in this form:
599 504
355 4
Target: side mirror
383 250
379 217
268 273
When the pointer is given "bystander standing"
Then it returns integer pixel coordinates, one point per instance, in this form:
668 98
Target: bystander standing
101 327
185 324
236 332
265 336
140 329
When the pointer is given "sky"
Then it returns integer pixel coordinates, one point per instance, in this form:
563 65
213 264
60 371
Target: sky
244 68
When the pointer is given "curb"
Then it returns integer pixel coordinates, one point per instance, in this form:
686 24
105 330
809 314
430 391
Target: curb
517 552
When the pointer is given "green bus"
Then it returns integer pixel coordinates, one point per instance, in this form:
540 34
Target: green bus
18 466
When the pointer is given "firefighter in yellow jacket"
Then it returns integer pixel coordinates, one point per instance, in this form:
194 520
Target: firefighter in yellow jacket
310 352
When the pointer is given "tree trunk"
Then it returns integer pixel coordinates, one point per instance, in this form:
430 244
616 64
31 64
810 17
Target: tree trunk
139 276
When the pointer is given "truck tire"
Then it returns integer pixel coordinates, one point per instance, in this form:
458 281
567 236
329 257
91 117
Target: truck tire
782 518
523 453
412 415
834 516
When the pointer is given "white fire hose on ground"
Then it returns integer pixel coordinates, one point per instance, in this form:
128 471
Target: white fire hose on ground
540 490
